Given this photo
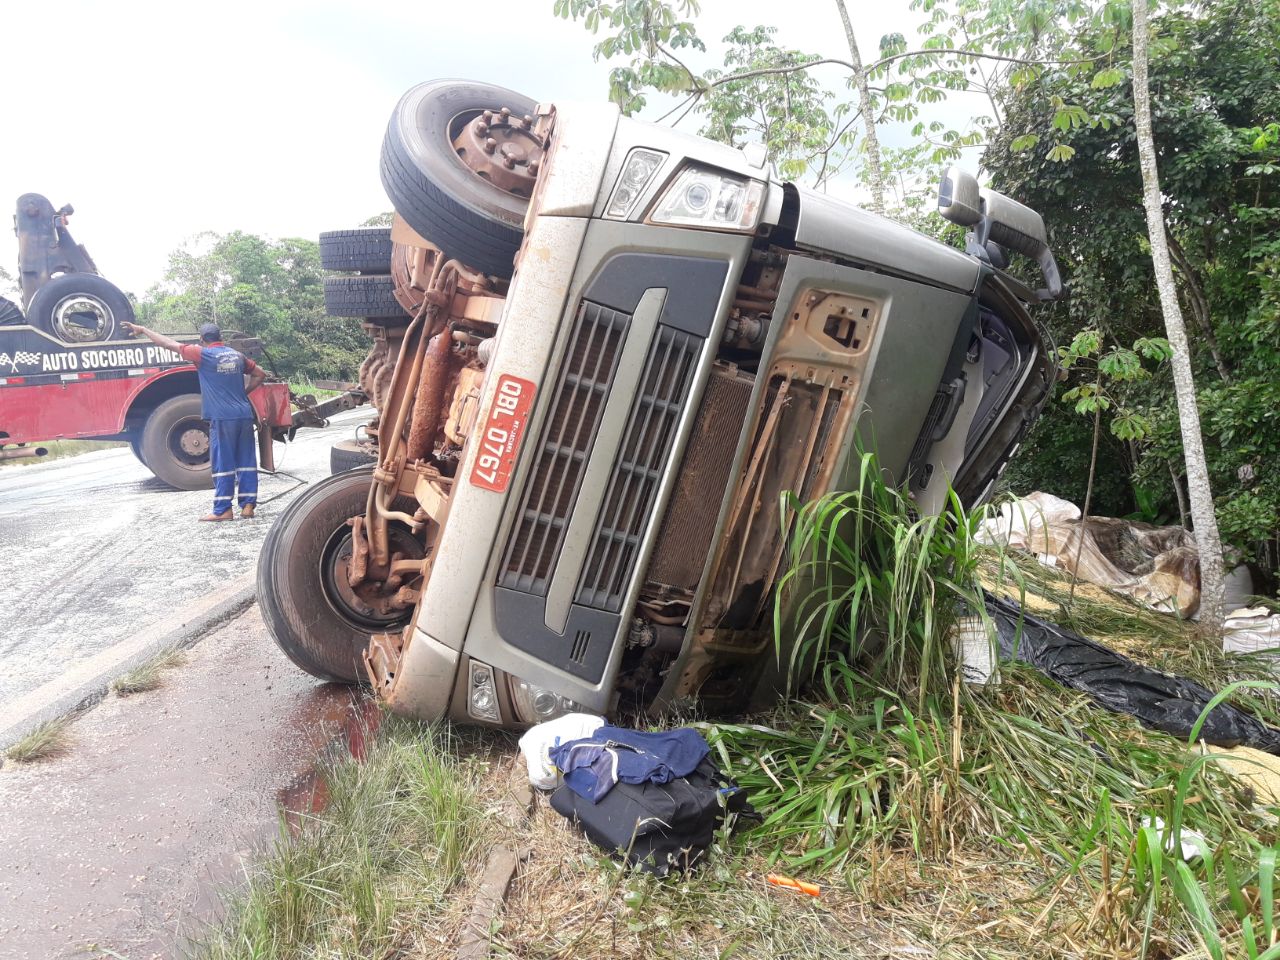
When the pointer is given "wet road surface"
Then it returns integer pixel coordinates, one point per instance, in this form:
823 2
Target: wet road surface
93 549
127 842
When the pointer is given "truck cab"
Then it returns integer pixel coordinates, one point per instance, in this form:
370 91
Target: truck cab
627 345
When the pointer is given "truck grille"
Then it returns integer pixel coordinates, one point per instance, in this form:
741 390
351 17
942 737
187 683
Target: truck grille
594 348
685 538
642 456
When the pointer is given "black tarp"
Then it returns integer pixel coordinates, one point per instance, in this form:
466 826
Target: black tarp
1157 700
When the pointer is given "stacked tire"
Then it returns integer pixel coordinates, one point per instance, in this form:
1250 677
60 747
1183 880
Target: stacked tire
368 291
365 291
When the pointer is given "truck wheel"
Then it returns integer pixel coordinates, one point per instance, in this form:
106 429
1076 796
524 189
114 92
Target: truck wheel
447 177
314 617
80 308
175 444
367 250
361 297
350 455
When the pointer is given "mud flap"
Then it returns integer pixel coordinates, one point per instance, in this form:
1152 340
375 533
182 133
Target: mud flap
266 448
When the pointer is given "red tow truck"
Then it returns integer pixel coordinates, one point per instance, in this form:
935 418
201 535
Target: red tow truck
68 371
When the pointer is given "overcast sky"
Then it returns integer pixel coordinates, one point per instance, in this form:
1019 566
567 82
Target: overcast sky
160 120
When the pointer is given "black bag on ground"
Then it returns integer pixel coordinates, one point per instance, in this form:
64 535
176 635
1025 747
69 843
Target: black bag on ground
659 827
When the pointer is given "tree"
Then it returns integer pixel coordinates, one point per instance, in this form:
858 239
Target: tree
1117 366
650 32
273 289
1215 90
1200 493
786 112
866 109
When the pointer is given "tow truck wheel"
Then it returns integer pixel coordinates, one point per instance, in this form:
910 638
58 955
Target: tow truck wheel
80 308
459 163
175 444
313 614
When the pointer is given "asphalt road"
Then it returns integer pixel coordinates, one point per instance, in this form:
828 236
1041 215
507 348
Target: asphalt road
93 549
126 845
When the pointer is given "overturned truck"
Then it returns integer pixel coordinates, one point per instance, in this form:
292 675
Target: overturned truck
626 344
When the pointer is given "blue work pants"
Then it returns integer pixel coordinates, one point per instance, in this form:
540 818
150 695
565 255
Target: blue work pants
234 453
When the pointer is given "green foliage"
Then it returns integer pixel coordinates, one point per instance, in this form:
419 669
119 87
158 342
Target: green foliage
866 569
273 289
1055 458
1216 99
785 112
761 94
645 31
1117 367
891 752
51 739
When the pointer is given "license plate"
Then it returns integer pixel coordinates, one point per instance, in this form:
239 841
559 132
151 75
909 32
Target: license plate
503 430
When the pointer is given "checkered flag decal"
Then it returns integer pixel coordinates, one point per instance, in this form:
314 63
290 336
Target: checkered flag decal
19 356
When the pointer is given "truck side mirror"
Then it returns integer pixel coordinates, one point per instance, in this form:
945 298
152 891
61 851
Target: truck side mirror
998 223
1014 225
960 197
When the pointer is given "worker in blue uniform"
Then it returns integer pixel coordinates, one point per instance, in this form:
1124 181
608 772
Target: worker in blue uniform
224 402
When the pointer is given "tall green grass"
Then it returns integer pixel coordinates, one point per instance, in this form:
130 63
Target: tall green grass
371 872
890 751
870 576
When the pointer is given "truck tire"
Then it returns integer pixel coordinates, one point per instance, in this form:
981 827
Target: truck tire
300 584
350 455
80 308
175 444
135 444
361 297
441 198
367 250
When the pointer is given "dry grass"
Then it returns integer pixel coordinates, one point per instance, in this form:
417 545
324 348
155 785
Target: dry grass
572 902
148 676
49 740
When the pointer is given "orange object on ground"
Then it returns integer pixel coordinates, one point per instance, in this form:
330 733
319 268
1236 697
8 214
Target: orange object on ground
812 889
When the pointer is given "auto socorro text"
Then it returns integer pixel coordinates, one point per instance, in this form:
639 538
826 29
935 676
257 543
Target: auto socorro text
100 359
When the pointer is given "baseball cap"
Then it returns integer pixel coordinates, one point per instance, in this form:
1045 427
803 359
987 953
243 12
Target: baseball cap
210 332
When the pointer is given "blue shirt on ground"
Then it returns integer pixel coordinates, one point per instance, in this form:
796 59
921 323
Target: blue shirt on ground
594 764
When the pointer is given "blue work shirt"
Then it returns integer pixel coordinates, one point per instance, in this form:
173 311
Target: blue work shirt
222 371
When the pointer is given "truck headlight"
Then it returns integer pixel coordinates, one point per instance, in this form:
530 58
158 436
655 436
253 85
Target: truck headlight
706 197
482 693
639 169
538 704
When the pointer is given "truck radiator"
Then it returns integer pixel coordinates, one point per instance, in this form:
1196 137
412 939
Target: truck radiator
642 457
690 522
595 346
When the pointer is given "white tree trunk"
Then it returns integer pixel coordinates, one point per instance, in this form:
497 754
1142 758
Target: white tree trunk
1202 515
875 170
